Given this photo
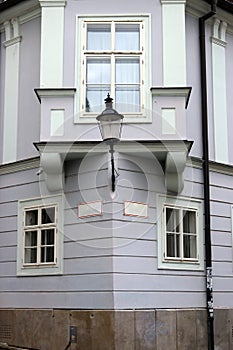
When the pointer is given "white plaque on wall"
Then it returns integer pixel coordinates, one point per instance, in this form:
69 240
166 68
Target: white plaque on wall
136 209
86 210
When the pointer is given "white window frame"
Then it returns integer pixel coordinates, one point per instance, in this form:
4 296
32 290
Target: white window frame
80 116
40 268
179 263
232 233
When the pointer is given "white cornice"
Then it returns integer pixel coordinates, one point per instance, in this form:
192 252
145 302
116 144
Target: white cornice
173 92
30 15
176 2
22 9
198 9
52 92
21 165
52 3
221 168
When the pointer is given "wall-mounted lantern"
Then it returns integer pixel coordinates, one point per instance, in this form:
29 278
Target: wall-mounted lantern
110 125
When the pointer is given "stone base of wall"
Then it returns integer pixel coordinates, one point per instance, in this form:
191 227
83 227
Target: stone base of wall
114 330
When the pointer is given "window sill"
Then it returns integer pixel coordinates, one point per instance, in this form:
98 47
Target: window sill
90 118
38 270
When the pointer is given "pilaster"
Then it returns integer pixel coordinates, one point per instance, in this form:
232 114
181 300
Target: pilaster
11 90
52 42
219 91
174 48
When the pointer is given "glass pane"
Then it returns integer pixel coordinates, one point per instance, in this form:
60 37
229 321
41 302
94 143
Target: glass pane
30 255
31 239
172 220
190 246
128 99
173 245
189 221
47 237
98 71
47 254
127 71
98 37
95 97
127 37
48 215
31 217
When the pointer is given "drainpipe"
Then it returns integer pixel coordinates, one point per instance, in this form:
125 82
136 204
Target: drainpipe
205 143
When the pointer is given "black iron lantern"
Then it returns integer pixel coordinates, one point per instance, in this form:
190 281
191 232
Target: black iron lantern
110 125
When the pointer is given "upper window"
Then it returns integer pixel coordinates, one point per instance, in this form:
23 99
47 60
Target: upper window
113 54
180 233
39 236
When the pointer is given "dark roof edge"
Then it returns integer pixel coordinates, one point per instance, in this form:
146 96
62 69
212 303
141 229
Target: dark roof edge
226 5
5 4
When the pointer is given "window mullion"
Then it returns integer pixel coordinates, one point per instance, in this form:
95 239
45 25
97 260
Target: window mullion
39 246
113 77
181 233
165 232
113 68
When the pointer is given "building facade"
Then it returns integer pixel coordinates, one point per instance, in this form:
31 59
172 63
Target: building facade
149 264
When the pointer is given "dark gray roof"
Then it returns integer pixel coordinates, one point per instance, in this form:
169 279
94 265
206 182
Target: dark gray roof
4 4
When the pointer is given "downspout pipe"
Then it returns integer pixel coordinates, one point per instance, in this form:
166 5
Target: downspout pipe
205 165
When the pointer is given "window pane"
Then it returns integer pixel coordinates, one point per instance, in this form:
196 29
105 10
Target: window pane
98 71
95 97
98 37
30 238
127 71
127 37
189 221
190 246
47 254
128 98
173 245
172 220
47 237
30 255
31 217
48 215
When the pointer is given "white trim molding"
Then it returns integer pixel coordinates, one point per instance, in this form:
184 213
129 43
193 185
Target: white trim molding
219 91
11 90
183 204
55 268
52 3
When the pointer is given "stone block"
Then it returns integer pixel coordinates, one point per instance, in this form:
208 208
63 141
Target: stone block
186 329
222 329
33 329
61 331
95 329
124 330
165 327
145 337
201 326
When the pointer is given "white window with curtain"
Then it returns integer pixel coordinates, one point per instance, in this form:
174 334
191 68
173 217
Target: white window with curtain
40 232
114 54
180 233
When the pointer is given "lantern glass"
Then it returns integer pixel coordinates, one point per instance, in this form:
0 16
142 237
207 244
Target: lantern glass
110 122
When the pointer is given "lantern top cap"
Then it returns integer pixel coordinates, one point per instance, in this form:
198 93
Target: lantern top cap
109 114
